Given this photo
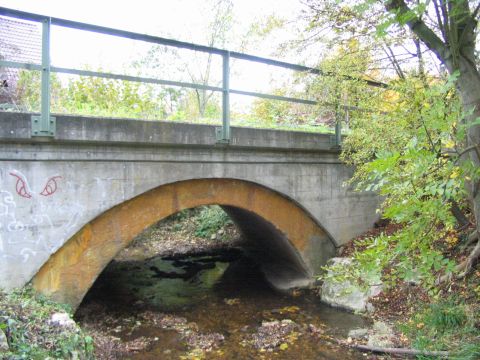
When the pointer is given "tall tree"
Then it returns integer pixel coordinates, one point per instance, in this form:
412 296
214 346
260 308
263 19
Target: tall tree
449 29
221 30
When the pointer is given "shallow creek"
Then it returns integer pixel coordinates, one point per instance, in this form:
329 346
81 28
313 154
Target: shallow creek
214 301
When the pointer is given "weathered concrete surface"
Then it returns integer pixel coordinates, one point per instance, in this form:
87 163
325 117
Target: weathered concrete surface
51 190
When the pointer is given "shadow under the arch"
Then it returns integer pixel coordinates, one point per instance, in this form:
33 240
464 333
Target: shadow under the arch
278 260
258 259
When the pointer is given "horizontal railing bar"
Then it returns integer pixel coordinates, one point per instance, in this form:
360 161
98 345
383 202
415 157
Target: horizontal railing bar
176 83
151 81
273 97
136 36
19 65
297 100
300 68
133 78
30 66
170 42
18 14
110 31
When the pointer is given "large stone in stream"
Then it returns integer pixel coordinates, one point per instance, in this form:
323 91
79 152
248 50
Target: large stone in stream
345 294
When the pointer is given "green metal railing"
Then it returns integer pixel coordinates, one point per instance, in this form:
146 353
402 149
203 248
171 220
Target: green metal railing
44 125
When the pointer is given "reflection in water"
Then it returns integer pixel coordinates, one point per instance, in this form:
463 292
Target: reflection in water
222 293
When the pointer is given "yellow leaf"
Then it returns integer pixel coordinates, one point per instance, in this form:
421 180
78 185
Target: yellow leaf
289 309
234 301
283 346
450 144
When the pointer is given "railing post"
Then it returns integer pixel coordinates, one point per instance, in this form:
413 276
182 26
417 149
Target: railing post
336 139
223 133
44 125
338 132
340 110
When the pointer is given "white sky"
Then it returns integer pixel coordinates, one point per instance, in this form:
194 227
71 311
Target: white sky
177 19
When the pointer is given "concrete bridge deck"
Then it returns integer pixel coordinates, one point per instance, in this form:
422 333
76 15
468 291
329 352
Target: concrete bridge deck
68 205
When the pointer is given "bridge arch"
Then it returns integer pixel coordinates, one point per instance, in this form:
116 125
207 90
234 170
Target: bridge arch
293 247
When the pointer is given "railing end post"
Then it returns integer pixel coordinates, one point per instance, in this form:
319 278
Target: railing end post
44 125
223 135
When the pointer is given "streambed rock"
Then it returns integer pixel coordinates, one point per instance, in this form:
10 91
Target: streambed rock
3 342
358 334
62 319
346 294
382 335
273 334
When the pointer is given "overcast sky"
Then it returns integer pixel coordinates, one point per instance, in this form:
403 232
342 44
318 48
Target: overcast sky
178 19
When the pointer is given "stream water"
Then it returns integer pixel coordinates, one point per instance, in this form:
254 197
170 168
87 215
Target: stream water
218 302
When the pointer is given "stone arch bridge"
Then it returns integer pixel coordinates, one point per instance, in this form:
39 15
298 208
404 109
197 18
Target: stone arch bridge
68 205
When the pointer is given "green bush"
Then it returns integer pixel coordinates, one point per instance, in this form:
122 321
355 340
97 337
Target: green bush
210 220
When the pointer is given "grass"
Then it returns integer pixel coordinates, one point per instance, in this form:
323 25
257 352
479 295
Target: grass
447 324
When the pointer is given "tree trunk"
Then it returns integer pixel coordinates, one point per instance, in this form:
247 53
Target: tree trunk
462 220
468 85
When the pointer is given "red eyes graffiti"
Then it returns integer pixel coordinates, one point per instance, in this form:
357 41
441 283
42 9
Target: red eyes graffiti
22 189
51 186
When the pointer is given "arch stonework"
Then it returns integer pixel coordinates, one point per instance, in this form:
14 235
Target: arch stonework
71 271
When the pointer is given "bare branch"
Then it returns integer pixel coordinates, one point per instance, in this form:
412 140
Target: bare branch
475 12
391 57
427 35
439 19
